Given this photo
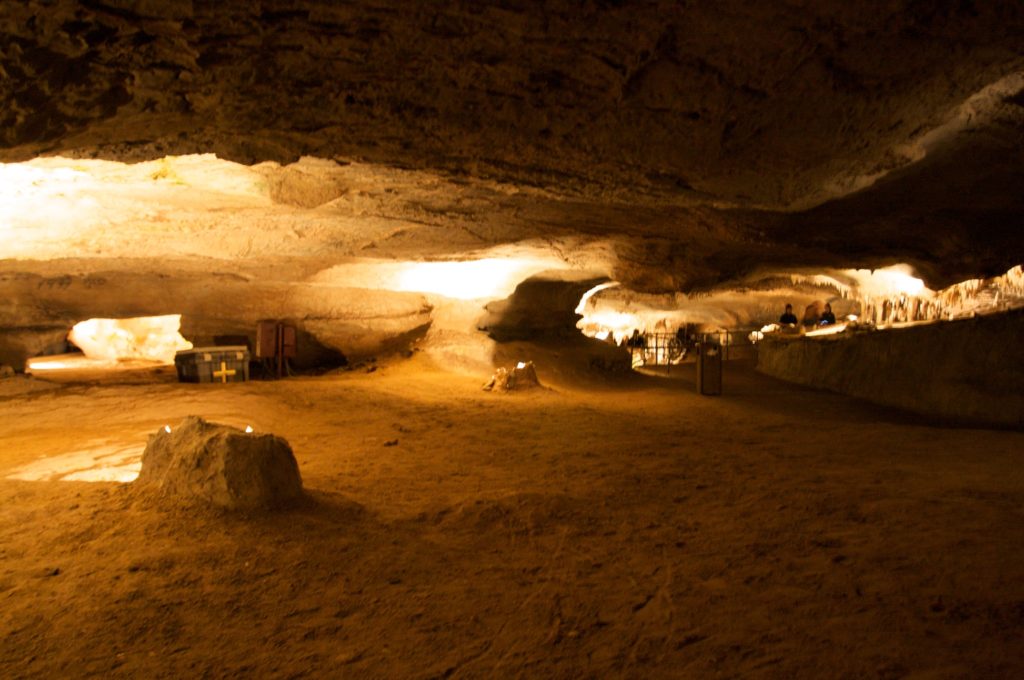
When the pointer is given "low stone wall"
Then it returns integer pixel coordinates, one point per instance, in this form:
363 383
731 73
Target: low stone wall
967 371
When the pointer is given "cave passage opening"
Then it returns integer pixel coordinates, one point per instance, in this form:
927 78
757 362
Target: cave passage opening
108 345
661 330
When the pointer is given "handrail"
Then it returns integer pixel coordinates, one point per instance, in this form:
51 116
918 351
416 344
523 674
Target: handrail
668 349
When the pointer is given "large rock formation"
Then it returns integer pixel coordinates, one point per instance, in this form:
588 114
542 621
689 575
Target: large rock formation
769 104
691 110
217 464
669 146
37 311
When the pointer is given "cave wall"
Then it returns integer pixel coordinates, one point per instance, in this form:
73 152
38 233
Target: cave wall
693 143
966 371
537 308
37 311
693 134
763 103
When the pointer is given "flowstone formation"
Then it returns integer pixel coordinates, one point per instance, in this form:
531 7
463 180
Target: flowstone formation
220 465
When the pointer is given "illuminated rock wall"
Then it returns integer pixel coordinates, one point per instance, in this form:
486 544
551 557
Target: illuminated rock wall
155 338
700 141
538 308
970 370
37 311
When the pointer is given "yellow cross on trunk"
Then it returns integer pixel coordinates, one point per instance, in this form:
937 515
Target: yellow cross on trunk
224 372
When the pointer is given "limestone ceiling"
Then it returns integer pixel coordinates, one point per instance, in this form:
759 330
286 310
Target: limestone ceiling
709 138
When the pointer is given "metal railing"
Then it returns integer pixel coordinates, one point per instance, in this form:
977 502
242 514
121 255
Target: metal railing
657 349
669 349
735 343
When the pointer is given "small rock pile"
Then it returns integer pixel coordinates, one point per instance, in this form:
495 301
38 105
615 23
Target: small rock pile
523 376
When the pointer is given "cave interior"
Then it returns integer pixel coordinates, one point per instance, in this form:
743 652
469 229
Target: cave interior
431 193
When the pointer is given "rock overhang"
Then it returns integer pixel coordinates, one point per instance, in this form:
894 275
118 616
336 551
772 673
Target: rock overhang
680 147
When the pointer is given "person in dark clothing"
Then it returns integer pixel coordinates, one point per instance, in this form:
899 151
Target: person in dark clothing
827 317
788 317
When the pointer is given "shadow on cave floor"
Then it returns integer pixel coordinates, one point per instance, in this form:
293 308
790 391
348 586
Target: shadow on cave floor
586 365
573 364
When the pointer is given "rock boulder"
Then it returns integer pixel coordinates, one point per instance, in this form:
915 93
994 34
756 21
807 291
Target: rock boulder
221 465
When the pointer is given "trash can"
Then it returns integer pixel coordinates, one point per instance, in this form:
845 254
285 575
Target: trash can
709 368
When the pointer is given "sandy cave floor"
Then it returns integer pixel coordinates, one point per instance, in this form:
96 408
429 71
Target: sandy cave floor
613 529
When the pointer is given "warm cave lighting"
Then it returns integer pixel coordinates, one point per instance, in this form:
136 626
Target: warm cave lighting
42 364
100 461
154 338
248 429
493 276
167 429
826 330
487 278
893 297
54 206
40 208
581 308
618 325
895 280
864 299
521 364
118 343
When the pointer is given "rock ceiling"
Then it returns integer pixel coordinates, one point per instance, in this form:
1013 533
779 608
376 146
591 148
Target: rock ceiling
703 140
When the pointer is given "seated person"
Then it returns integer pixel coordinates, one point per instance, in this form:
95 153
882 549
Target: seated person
812 315
827 317
788 317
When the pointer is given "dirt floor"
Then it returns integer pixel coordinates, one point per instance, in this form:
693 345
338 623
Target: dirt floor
618 526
